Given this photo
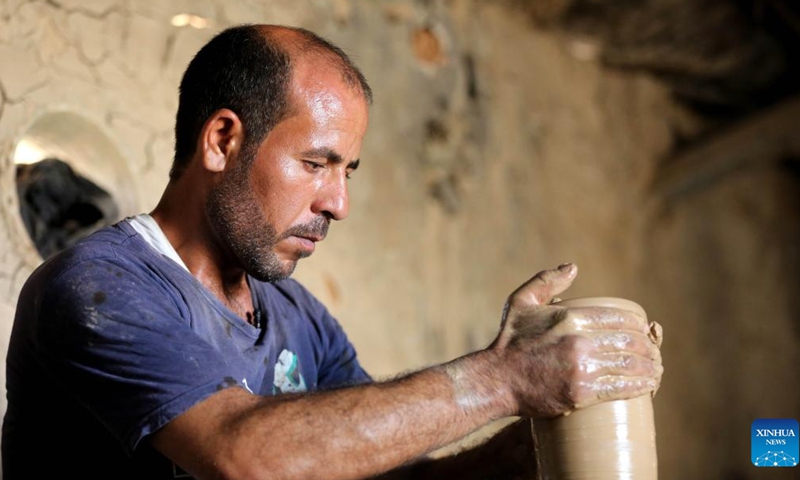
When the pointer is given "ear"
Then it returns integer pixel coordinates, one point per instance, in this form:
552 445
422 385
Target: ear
221 139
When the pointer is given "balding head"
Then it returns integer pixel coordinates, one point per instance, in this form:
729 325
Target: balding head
303 45
248 69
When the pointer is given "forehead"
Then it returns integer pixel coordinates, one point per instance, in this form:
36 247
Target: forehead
319 88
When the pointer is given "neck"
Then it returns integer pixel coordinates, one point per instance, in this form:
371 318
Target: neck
181 215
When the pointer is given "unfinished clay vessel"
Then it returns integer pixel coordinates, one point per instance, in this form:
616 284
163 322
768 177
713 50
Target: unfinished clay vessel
609 441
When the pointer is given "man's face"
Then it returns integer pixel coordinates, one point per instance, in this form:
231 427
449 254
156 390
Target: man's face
270 215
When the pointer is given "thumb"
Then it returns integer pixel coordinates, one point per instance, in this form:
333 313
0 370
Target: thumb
545 285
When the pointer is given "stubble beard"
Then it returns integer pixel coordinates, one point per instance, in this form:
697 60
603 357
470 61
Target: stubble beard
240 225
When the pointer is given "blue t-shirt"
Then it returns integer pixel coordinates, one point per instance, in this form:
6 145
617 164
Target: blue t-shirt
112 340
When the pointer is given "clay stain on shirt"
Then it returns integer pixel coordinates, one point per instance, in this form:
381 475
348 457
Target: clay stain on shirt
99 298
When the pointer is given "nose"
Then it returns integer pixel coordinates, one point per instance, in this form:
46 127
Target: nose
333 200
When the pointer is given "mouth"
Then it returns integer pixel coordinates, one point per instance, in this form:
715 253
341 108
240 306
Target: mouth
307 235
311 238
307 243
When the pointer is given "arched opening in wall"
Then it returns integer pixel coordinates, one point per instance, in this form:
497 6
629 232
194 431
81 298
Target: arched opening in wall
71 180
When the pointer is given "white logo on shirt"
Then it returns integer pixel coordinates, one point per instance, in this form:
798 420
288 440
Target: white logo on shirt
244 381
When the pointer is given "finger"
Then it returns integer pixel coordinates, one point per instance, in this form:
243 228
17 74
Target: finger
627 364
630 342
605 318
619 388
546 284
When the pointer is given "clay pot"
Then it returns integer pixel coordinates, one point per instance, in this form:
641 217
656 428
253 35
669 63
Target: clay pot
609 441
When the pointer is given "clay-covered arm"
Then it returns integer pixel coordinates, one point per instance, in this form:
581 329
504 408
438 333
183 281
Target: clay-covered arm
545 361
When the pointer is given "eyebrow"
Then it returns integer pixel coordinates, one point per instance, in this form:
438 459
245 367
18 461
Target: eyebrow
331 156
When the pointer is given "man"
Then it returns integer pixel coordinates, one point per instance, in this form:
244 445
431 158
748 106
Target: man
175 342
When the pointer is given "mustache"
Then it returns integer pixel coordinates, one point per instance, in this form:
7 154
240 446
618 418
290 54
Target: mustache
317 228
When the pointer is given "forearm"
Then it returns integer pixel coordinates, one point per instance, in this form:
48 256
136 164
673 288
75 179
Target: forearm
362 431
355 432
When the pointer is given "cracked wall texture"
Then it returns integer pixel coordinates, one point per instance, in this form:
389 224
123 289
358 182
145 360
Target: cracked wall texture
493 152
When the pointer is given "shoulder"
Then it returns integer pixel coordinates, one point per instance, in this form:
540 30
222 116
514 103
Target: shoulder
115 243
111 260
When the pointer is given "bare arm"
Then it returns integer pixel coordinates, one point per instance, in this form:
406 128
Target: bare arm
537 367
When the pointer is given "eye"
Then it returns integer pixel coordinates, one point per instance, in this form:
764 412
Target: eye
313 166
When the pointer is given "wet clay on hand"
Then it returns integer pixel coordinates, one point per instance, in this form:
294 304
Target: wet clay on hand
613 440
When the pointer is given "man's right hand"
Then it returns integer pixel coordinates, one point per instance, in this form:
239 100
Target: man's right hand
556 359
